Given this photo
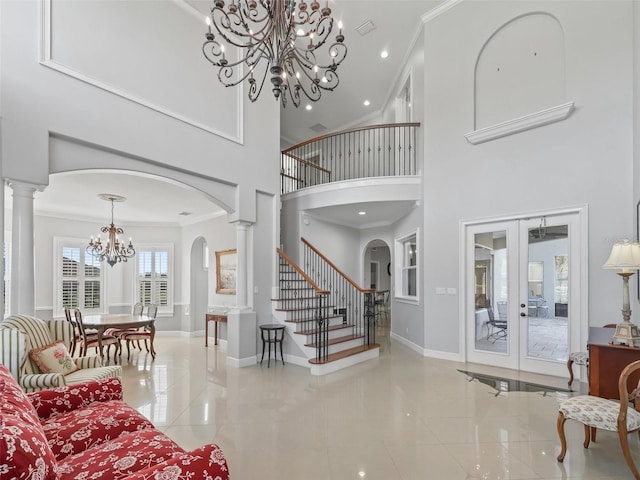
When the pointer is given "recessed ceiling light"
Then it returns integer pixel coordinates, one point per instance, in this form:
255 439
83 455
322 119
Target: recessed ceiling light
367 103
362 213
308 107
384 54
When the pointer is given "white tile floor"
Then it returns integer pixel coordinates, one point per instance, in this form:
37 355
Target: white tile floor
399 417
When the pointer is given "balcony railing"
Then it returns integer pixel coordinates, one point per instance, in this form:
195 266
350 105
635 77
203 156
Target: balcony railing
374 151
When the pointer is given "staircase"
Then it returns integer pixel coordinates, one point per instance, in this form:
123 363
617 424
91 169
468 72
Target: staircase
331 336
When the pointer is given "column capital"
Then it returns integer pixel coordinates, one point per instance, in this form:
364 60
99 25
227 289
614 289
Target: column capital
241 224
24 189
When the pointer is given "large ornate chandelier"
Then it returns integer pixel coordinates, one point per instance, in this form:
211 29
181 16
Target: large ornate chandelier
114 250
291 43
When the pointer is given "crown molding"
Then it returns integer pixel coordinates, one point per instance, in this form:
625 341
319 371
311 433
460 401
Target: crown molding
439 10
521 124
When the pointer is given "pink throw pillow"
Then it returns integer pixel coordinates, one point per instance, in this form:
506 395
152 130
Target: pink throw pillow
53 358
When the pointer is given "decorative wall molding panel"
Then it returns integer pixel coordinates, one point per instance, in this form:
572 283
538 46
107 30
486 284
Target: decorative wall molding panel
534 120
78 70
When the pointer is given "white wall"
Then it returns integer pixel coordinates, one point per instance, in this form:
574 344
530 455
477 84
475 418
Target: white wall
586 159
133 92
40 101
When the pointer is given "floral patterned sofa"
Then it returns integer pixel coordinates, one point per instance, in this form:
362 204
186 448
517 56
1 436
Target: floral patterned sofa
86 431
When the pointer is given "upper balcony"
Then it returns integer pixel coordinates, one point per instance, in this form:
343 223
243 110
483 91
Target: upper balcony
366 152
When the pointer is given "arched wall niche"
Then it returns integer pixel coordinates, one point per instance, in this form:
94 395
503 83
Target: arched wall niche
519 77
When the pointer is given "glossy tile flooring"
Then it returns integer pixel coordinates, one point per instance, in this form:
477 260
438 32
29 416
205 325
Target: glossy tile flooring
401 417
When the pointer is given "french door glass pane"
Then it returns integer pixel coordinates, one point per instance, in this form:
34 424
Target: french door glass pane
490 289
548 299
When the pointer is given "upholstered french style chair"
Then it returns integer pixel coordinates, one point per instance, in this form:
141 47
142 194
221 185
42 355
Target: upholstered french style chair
19 334
600 413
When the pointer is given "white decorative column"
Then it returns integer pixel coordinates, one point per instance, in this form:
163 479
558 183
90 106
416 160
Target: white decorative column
241 267
22 249
242 321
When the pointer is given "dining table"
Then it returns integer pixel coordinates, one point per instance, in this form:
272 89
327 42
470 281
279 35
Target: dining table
121 320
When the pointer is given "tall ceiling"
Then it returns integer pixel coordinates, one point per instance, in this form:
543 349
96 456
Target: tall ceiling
364 75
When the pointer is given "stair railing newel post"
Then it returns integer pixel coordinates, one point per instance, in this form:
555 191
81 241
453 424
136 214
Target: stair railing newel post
369 315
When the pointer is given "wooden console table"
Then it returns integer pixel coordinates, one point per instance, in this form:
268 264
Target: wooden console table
606 362
213 317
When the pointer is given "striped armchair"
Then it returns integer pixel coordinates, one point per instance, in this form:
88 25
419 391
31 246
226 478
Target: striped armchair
19 334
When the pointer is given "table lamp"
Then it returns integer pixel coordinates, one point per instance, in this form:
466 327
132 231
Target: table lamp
625 256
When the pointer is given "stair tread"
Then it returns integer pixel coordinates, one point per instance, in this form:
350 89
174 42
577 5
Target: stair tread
334 341
301 320
313 297
331 328
300 309
344 354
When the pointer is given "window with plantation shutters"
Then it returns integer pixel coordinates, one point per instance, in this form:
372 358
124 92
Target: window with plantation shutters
153 276
80 281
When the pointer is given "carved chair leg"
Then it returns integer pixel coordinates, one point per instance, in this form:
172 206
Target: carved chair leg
624 444
587 436
593 433
129 350
563 440
570 368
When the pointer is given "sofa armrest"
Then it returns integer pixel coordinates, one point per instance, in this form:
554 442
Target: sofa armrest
37 381
71 397
90 361
206 463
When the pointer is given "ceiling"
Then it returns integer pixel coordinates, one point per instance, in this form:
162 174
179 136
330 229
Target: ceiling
152 200
376 214
363 74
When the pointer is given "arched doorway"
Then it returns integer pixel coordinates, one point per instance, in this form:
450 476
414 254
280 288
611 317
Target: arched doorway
377 276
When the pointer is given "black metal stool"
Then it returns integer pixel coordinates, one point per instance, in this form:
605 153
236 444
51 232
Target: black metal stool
269 340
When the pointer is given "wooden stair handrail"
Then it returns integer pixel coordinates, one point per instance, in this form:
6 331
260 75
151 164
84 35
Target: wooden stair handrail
306 162
351 130
308 279
340 272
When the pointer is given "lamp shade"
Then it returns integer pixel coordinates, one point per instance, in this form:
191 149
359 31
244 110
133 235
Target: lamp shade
624 256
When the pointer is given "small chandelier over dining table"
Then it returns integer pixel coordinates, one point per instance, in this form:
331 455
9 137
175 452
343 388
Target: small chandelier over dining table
292 43
114 250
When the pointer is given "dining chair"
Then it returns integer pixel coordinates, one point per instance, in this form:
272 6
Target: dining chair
117 332
76 332
137 309
600 413
581 358
140 334
88 341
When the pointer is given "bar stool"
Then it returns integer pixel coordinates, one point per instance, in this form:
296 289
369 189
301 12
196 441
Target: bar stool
265 331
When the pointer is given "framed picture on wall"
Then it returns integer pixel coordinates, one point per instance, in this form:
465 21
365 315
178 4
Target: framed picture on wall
226 263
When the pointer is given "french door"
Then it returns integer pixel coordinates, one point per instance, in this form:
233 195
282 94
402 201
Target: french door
522 303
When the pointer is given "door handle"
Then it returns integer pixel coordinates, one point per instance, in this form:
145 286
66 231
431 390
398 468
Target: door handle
522 314
522 305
